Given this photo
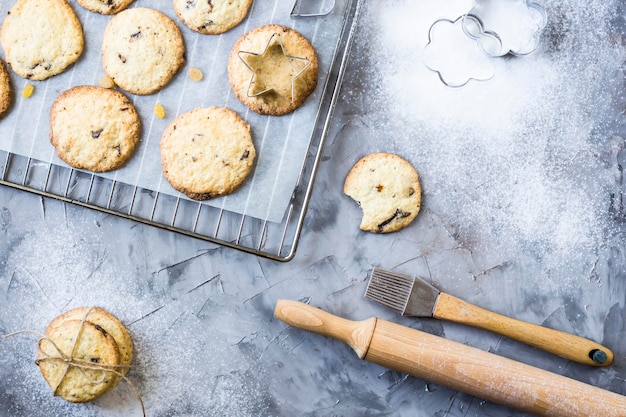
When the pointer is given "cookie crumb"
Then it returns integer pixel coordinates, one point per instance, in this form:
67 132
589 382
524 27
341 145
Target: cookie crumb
159 111
106 82
195 74
28 90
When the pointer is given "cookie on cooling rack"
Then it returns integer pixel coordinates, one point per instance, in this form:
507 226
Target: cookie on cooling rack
94 128
98 347
142 50
211 17
207 152
387 189
41 38
105 6
273 69
6 92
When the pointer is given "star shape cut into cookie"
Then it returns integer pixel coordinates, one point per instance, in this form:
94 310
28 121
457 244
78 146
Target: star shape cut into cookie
273 69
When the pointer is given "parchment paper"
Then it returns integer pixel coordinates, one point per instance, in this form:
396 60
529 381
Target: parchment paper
281 142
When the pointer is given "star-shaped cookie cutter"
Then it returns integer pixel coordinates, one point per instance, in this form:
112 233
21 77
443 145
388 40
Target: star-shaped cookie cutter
264 87
312 8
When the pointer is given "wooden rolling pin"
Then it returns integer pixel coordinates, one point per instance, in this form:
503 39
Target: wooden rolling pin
458 366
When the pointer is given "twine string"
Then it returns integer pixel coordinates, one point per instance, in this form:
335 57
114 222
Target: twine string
80 364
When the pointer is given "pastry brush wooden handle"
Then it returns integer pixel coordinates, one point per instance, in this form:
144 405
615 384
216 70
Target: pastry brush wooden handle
458 366
563 344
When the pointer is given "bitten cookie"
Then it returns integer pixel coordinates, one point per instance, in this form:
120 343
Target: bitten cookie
41 38
105 6
94 128
211 17
6 92
387 189
207 152
99 347
273 69
142 49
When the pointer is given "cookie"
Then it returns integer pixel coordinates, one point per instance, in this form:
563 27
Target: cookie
387 189
106 321
273 69
6 92
207 152
211 17
142 50
41 38
105 6
94 128
88 346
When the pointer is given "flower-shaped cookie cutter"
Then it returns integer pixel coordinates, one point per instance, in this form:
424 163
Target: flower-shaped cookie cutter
464 49
456 57
517 24
263 82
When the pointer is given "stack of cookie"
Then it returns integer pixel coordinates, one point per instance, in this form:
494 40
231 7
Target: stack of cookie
84 354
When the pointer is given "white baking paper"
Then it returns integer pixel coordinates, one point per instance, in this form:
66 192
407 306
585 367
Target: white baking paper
281 142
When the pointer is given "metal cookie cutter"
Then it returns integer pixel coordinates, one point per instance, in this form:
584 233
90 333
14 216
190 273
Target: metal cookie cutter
263 82
455 57
517 24
312 8
465 49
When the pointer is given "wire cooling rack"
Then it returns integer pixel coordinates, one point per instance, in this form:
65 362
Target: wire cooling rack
273 240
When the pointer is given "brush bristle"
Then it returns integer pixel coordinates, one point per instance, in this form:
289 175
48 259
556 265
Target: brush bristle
390 289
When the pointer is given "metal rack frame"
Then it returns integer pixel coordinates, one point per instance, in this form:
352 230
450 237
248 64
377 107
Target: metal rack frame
277 241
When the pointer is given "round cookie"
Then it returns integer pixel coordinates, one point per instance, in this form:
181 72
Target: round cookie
211 17
106 321
88 345
207 152
94 128
142 49
273 69
41 38
6 93
387 189
105 6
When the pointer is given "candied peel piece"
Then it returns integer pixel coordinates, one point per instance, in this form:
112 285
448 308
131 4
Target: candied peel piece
106 82
159 111
28 90
195 74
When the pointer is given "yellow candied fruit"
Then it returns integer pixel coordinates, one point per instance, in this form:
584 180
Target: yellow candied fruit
106 82
195 74
159 111
28 90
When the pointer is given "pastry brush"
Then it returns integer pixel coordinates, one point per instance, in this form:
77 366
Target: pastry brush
412 296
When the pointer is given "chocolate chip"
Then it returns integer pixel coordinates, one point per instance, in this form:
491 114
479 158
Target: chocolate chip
96 133
99 328
398 214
